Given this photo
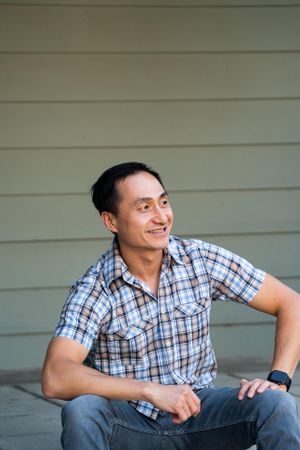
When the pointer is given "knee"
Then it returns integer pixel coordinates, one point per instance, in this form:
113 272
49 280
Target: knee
87 421
277 402
85 407
281 400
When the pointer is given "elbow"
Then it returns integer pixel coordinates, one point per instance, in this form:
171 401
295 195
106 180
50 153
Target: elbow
50 384
48 387
48 393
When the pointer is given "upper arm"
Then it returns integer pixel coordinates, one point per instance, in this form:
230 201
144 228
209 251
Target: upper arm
62 358
272 296
65 349
231 276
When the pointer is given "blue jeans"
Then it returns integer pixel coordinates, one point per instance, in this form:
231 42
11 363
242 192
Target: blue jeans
268 420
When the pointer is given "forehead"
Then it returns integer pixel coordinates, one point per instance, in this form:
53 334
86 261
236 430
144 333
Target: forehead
140 185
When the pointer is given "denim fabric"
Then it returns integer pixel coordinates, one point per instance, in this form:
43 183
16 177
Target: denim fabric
268 420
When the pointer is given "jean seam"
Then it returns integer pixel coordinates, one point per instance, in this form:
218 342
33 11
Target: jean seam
187 431
213 426
260 441
133 428
111 434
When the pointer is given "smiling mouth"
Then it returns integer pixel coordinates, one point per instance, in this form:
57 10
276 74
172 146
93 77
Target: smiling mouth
158 230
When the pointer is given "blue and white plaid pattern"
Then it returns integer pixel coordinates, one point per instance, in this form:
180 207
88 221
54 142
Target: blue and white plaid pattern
165 339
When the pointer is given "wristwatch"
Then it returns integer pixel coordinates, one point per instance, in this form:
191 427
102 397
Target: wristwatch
278 377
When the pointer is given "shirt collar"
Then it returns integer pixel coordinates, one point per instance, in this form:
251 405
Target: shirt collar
115 267
171 252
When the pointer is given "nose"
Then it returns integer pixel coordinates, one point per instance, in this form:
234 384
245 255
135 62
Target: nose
160 216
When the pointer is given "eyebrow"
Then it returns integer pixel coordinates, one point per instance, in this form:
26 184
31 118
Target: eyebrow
149 199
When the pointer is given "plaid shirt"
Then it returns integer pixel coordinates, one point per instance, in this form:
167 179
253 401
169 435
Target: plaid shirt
131 333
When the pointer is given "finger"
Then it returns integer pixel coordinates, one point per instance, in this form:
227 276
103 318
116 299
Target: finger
190 407
175 419
253 388
183 413
243 389
195 405
259 386
276 387
264 386
190 402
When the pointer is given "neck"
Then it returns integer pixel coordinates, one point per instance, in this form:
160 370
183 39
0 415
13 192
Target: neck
144 265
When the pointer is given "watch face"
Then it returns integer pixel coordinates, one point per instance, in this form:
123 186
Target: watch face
279 377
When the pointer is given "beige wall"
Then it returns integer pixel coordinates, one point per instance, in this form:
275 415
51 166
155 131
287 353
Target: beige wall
209 96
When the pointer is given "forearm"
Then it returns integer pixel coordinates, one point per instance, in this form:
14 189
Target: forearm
279 300
286 353
287 340
68 379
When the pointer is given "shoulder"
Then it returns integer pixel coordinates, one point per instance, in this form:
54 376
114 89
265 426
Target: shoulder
95 274
90 290
187 247
211 255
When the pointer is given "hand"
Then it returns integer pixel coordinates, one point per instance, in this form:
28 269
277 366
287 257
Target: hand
257 386
180 401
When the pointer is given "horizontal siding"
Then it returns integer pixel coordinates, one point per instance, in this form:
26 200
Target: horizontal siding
146 3
53 264
208 95
182 168
26 352
42 77
239 341
232 212
225 342
154 29
154 123
38 312
39 309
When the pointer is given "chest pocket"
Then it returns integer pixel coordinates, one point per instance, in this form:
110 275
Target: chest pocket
191 308
130 344
135 329
191 321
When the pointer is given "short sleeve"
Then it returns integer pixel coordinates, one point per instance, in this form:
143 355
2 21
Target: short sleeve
232 277
84 311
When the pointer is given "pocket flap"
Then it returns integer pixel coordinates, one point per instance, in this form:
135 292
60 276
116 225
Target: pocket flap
191 308
135 329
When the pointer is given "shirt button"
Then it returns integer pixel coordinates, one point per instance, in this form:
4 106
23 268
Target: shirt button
168 343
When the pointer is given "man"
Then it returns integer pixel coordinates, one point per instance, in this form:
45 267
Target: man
132 349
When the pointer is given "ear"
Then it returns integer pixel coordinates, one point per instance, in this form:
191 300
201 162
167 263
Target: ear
109 221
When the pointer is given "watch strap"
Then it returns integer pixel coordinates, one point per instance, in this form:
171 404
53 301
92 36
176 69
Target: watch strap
280 378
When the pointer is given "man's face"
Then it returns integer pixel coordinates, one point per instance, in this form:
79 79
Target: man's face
144 218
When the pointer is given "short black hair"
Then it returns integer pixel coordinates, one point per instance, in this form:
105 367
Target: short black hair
105 194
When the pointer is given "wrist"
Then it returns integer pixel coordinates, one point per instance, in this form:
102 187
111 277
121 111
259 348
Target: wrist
147 391
280 378
282 387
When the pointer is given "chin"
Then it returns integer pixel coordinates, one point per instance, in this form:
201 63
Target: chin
161 243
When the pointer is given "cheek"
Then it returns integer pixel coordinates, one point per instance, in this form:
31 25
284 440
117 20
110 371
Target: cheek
134 224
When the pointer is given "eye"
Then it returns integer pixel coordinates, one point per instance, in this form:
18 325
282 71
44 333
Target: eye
144 208
165 202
